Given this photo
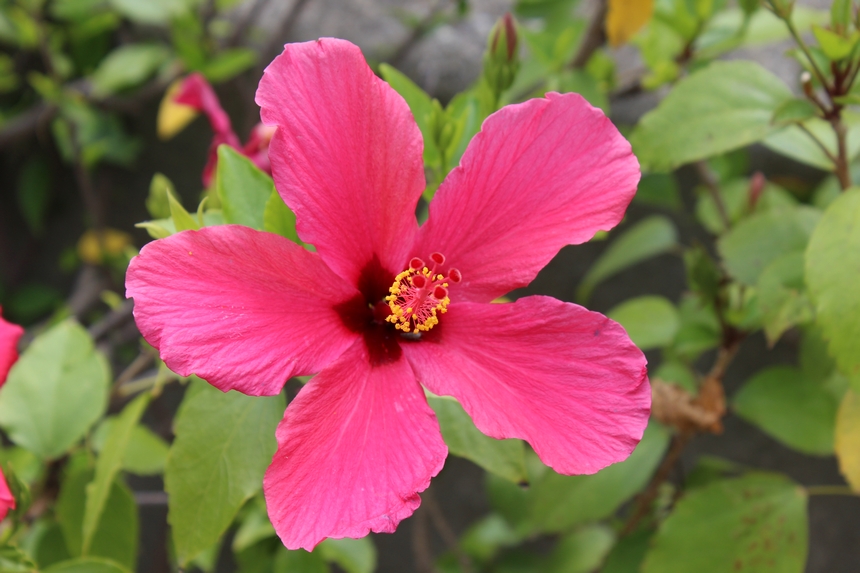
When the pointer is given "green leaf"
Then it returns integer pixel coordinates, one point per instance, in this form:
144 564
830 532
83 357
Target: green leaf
650 321
753 523
628 553
55 392
299 561
724 106
581 551
419 103
87 565
558 503
647 238
351 555
736 198
762 238
229 64
49 546
834 46
224 442
146 453
789 406
116 534
660 190
243 188
127 66
280 219
833 276
108 466
182 220
13 560
794 142
149 11
781 296
157 202
699 331
502 457
676 372
489 535
794 111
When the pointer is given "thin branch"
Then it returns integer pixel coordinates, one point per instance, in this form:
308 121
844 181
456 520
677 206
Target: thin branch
113 319
805 49
421 542
446 532
647 497
276 41
819 143
713 187
418 32
843 172
594 37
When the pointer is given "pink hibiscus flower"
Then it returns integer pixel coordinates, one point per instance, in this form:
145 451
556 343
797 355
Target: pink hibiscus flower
9 336
383 307
196 92
7 500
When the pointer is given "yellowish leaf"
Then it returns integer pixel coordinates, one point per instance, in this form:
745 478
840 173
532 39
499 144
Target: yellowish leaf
92 247
847 440
172 116
626 17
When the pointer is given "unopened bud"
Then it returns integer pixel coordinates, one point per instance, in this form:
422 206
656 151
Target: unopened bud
782 8
757 183
501 60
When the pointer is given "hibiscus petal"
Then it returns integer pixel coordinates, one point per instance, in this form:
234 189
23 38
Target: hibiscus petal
7 500
9 336
540 175
567 380
354 449
346 157
242 309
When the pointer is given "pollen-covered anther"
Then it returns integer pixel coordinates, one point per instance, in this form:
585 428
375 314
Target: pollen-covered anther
420 293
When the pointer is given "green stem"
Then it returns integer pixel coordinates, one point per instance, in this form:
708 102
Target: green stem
821 77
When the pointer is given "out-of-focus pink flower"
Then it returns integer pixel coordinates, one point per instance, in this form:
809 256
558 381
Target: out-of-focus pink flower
196 92
9 336
7 500
383 307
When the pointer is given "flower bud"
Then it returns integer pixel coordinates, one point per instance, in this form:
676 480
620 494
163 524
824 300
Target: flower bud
757 184
501 60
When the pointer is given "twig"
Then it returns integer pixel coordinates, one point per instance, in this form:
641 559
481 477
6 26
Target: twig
138 365
713 187
446 532
113 319
843 172
421 542
594 37
819 143
273 47
418 32
150 498
647 497
245 22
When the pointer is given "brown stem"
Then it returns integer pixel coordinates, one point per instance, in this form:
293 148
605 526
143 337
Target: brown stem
712 185
647 497
418 32
421 542
841 163
594 37
446 532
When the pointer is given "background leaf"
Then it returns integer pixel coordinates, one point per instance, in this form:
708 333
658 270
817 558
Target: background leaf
753 523
224 442
723 106
108 465
55 392
243 188
647 238
790 406
502 457
650 321
833 276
